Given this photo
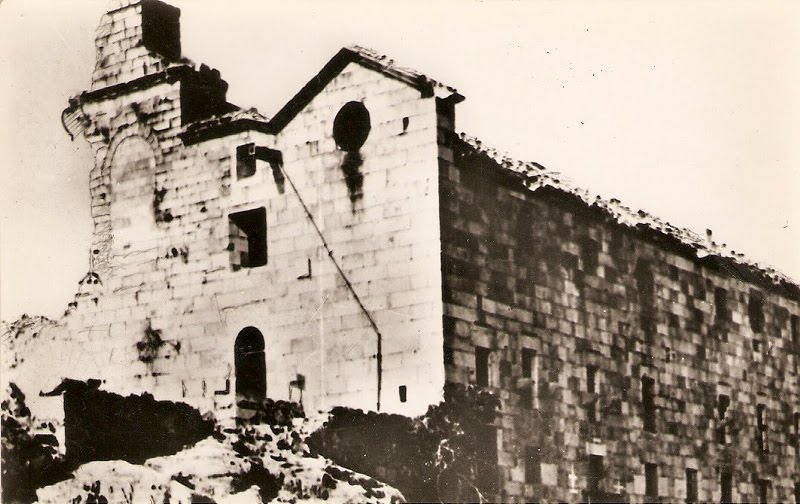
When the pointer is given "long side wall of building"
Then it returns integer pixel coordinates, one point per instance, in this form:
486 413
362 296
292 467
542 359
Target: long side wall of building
625 370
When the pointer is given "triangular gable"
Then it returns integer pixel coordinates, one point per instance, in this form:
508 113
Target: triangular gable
368 59
235 123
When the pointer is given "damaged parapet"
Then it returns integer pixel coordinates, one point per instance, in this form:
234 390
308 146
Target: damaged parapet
536 177
136 38
137 45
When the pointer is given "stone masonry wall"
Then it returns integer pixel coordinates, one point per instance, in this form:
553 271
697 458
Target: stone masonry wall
163 306
532 276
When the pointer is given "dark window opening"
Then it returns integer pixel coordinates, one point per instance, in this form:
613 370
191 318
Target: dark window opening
696 321
403 391
648 404
721 305
161 29
761 428
532 465
595 474
795 328
590 251
351 126
479 307
691 486
248 238
651 480
251 368
723 402
591 385
797 431
245 161
797 492
405 124
763 491
726 487
645 283
482 366
755 311
527 362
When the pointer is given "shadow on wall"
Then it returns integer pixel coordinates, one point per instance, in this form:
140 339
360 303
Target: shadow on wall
447 455
101 425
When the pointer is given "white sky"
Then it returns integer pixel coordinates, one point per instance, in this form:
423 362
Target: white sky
689 110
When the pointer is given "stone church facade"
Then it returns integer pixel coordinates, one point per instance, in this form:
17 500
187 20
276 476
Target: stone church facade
355 250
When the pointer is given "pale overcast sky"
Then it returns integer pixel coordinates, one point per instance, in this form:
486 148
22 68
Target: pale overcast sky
689 110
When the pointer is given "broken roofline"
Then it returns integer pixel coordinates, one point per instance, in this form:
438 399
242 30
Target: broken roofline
533 175
535 178
224 125
367 58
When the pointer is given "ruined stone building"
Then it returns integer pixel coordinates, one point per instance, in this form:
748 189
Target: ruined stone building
355 250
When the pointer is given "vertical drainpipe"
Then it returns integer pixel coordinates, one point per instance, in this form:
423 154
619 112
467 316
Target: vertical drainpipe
380 367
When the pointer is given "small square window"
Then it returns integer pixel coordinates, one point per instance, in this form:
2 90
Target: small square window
248 238
245 161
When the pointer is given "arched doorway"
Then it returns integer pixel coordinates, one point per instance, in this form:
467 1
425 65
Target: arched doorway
251 368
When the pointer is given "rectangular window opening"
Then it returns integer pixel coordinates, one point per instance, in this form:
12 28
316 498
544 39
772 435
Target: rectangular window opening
797 431
403 393
648 404
723 402
248 238
245 161
595 474
726 487
721 305
591 384
532 465
651 480
527 362
755 311
691 486
795 328
482 366
763 491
